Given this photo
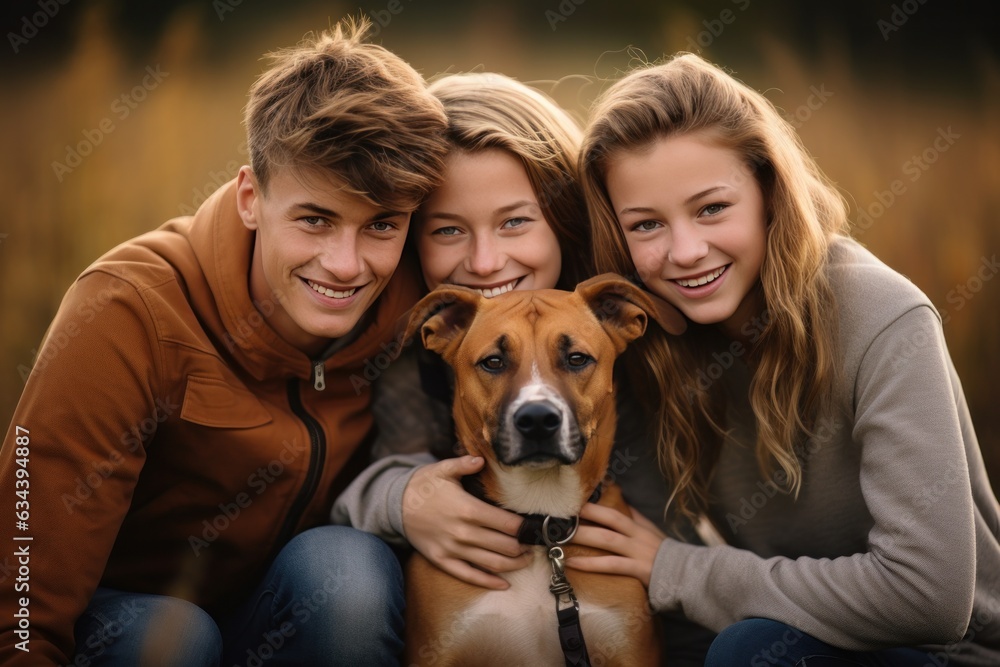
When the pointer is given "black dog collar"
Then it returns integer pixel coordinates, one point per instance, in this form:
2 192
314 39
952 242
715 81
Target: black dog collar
535 527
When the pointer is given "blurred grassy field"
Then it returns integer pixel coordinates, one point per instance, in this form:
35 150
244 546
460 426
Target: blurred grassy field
932 207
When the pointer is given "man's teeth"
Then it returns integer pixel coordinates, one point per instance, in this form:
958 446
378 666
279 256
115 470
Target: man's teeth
704 280
491 292
326 291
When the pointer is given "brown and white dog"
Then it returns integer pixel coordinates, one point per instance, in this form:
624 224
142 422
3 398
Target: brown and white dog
534 397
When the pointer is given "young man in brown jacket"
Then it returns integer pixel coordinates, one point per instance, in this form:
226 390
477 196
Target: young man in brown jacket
196 406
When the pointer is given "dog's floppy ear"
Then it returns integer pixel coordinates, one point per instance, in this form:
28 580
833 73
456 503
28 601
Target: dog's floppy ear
622 308
443 317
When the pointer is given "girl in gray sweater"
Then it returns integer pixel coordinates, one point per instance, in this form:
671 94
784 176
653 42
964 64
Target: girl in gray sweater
811 411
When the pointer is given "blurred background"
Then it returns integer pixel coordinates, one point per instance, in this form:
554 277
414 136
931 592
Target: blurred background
119 115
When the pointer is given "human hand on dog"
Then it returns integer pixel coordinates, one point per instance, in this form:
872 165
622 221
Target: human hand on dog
633 539
457 532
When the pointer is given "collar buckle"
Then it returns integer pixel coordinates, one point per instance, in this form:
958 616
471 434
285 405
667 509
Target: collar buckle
554 541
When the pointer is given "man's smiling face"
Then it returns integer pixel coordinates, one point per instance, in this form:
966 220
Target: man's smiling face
321 254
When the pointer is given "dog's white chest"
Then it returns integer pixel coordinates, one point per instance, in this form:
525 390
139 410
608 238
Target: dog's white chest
518 626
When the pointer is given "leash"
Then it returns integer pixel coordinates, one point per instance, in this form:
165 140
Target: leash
571 640
553 532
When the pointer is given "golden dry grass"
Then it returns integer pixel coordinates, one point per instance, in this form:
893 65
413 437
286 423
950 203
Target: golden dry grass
185 138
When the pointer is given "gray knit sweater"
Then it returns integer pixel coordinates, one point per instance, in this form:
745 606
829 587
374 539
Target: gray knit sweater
893 539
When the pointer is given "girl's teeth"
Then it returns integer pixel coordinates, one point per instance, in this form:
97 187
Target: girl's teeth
325 291
704 280
491 292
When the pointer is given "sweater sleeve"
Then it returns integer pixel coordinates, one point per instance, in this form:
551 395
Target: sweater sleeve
71 453
914 583
373 502
410 425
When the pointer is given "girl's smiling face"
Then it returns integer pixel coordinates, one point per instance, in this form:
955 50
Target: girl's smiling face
484 228
694 220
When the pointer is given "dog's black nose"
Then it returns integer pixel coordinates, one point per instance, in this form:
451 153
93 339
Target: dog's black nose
537 420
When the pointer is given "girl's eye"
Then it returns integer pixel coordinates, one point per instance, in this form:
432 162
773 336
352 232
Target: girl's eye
514 223
493 364
714 209
645 226
447 231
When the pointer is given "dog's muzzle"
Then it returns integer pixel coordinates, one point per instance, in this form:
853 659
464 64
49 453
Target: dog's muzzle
541 435
538 420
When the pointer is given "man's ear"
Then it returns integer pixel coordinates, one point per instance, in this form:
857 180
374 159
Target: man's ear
622 308
443 317
247 192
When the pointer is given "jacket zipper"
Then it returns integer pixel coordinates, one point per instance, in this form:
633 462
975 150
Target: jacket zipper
317 442
319 375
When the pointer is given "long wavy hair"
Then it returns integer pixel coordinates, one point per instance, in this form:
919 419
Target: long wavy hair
492 111
793 355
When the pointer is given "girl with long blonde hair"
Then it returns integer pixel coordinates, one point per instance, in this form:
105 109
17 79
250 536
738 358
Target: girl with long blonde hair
811 411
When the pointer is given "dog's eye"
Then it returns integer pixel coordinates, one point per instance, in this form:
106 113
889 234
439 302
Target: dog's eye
578 359
493 364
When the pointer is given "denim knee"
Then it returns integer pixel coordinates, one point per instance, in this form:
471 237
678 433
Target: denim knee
754 641
341 590
120 628
356 570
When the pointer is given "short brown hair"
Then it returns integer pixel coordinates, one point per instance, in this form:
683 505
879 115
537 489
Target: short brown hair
355 109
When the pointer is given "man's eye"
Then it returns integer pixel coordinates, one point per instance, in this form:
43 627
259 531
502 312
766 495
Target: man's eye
312 220
382 226
493 363
578 359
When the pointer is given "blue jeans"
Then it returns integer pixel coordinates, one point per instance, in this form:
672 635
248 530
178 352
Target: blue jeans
333 596
759 642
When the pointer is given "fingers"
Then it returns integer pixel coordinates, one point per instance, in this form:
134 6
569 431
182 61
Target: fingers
632 540
436 491
462 526
497 519
629 567
493 562
489 539
602 538
470 575
603 565
458 532
484 514
608 517
461 466
643 522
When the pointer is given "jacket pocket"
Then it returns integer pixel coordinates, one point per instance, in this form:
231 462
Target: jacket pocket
216 403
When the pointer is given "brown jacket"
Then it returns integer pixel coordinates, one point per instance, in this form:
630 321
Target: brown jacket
170 441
